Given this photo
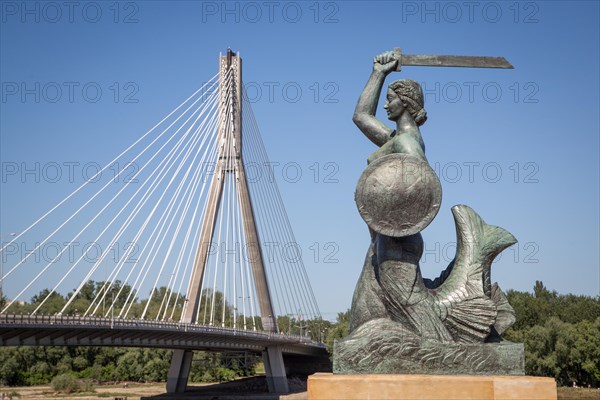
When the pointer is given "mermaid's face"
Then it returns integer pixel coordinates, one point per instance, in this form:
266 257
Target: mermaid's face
393 106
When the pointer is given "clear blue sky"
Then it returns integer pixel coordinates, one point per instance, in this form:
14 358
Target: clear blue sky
519 146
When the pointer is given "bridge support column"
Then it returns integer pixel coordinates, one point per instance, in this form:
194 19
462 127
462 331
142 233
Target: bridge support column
275 370
179 372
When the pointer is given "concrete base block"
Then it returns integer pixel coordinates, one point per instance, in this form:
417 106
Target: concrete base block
327 386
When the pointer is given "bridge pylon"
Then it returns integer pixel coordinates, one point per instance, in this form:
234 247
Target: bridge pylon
229 161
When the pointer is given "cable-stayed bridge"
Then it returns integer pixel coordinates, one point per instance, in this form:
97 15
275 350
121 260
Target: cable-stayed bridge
181 241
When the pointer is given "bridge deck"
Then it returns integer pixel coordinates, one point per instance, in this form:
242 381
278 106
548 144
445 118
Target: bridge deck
45 330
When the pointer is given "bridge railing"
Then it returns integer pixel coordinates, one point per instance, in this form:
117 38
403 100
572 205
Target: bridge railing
120 323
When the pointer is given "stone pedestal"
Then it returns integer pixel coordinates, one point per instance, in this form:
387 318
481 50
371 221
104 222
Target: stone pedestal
327 386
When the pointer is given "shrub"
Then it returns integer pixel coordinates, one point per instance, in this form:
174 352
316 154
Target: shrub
93 372
224 374
13 395
207 377
86 385
68 383
9 372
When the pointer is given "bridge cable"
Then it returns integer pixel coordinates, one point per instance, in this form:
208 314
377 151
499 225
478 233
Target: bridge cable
105 167
165 167
130 218
87 202
270 233
196 238
77 236
169 249
271 230
300 271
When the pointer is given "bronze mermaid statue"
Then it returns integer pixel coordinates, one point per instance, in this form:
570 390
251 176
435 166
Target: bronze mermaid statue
399 321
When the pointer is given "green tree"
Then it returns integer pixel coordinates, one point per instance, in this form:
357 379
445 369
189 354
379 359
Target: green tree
561 334
339 330
52 302
9 369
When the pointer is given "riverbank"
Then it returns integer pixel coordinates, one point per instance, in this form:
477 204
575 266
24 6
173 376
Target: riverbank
248 389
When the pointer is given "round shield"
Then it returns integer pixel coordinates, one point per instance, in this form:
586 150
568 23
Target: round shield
398 195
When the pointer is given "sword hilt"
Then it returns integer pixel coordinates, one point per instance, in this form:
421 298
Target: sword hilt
398 56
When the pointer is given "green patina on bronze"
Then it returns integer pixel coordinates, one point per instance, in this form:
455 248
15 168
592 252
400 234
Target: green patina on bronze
401 322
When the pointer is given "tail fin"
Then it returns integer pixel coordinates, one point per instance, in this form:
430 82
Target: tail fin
477 245
496 239
506 314
466 297
471 320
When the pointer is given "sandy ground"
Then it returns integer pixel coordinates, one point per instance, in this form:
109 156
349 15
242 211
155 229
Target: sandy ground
251 389
229 391
132 392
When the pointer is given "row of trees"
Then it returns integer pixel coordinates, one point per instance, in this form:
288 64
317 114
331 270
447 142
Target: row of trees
561 334
118 300
39 365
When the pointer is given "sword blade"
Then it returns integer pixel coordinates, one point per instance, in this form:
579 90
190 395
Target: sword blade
453 61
